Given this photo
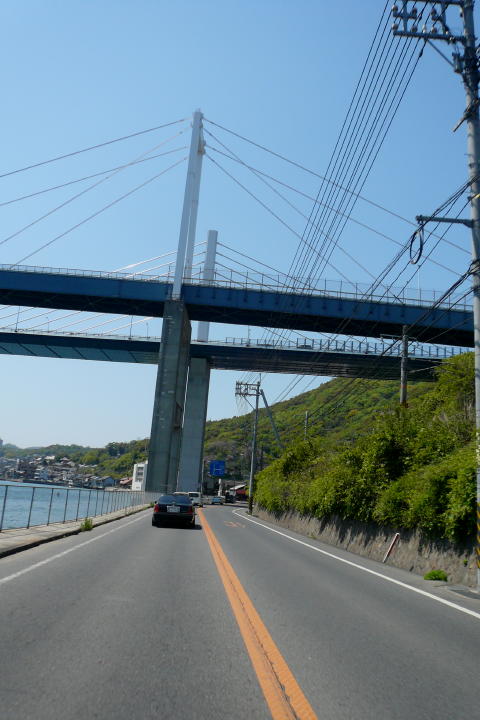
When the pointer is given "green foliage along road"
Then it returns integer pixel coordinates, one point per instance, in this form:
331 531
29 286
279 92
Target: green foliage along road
409 468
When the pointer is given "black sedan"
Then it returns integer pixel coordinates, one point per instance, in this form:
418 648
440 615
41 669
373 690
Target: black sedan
176 509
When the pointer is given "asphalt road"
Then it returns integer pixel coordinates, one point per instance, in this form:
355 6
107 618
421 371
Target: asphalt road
131 621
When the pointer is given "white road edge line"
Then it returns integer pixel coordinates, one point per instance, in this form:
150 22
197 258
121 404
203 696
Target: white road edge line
364 569
13 576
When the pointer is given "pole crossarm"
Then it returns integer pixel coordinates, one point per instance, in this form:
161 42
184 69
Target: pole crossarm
439 29
422 219
244 389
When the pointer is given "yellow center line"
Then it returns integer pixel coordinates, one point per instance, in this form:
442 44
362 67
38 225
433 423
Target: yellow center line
282 693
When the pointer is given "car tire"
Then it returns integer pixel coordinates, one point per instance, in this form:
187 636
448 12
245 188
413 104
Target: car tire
154 523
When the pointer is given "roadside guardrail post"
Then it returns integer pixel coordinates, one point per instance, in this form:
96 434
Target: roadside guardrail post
50 506
3 506
78 502
66 505
31 504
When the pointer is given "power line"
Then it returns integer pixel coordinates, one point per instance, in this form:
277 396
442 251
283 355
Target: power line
435 305
313 224
338 212
343 325
268 209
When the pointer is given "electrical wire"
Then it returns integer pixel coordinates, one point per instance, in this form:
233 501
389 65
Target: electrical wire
338 212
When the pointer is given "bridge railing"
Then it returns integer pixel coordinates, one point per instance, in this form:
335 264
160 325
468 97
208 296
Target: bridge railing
350 346
24 506
274 283
341 289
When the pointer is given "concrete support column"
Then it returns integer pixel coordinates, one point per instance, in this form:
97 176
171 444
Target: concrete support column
166 433
190 473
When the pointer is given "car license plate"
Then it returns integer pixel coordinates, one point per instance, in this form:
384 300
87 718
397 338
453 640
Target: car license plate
173 508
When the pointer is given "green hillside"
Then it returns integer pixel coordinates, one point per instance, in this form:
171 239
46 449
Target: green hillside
334 419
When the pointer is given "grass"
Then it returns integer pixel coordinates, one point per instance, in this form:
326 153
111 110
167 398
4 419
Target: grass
87 524
436 575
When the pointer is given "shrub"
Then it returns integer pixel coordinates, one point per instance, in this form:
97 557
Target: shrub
436 575
410 468
86 525
439 498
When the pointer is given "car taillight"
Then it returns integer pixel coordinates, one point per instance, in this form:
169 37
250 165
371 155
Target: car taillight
156 508
190 509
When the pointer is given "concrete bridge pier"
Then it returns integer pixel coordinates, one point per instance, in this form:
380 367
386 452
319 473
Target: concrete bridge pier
190 472
168 407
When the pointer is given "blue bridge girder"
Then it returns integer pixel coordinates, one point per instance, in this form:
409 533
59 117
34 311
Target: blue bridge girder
225 356
120 294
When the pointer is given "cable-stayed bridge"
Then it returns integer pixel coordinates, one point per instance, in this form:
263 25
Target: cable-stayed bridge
198 286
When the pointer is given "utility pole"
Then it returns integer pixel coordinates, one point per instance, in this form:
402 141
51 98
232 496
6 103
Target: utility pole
466 65
305 429
403 368
248 390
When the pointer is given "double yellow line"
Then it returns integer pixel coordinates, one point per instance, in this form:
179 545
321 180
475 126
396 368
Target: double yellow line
282 693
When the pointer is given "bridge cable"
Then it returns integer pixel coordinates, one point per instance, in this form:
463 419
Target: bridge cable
86 190
98 212
89 177
91 147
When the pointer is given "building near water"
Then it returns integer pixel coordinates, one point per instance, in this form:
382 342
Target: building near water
139 475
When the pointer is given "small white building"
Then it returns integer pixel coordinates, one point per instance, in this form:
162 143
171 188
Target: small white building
139 475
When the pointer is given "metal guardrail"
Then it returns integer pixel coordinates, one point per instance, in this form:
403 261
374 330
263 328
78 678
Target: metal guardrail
273 283
23 506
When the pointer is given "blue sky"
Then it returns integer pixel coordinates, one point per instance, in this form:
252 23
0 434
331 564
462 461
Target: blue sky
279 72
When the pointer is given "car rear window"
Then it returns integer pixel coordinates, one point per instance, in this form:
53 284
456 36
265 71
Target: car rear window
194 494
177 499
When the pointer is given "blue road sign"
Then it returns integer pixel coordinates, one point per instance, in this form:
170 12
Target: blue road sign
217 467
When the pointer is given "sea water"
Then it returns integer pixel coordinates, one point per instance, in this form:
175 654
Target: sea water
28 504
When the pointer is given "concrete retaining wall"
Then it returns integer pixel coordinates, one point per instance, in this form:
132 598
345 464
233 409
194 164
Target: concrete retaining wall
413 551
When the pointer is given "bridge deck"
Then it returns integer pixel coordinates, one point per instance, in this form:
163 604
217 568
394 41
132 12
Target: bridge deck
264 308
221 356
